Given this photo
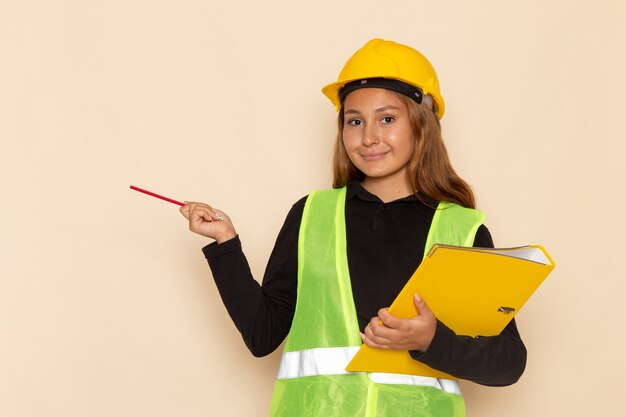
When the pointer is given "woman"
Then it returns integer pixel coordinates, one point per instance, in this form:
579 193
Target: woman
343 255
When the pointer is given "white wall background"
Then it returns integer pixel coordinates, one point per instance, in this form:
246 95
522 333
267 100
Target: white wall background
107 307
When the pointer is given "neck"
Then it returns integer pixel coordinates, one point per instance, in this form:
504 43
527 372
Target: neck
387 189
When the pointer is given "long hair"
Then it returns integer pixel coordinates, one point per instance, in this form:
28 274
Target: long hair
429 170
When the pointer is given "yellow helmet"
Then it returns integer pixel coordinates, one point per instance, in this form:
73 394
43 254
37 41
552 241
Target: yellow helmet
386 59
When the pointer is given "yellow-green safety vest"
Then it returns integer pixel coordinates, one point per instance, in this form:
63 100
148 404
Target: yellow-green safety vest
324 334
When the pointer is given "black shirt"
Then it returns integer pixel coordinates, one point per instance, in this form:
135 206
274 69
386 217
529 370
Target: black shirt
382 254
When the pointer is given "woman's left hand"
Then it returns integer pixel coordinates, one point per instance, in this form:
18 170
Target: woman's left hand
386 331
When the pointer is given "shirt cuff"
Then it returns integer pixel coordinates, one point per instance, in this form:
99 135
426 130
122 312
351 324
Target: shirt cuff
438 348
215 250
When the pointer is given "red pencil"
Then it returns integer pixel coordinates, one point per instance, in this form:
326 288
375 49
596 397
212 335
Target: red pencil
141 190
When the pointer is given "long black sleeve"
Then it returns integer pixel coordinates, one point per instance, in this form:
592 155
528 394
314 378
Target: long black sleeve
262 314
494 360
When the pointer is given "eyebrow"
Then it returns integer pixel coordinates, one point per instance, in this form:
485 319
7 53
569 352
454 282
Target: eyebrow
380 110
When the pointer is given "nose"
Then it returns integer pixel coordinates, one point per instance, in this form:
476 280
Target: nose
371 135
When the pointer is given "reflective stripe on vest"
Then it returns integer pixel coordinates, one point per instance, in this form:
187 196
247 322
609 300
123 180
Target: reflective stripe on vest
333 361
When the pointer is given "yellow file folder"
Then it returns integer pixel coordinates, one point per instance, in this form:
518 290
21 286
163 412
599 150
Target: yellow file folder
474 291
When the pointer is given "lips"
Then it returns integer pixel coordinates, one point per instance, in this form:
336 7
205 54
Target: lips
374 156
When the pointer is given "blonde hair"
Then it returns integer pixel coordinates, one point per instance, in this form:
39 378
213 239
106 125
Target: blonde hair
430 171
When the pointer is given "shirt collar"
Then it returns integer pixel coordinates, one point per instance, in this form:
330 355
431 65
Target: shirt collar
356 190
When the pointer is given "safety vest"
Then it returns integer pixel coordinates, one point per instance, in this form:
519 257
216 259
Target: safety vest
324 334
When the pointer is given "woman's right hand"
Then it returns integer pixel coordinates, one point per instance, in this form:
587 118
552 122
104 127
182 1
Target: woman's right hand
206 221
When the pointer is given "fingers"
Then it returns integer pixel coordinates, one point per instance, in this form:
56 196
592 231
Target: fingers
372 337
184 210
199 214
207 221
422 308
191 205
369 342
388 319
201 210
188 208
386 331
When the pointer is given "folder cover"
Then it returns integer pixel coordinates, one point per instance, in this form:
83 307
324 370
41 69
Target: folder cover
473 291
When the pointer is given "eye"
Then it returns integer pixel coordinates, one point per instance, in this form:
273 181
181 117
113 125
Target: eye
388 119
354 122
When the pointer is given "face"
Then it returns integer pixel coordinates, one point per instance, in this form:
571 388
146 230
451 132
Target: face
377 135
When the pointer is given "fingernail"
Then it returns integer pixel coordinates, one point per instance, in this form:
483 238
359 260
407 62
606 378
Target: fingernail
417 297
